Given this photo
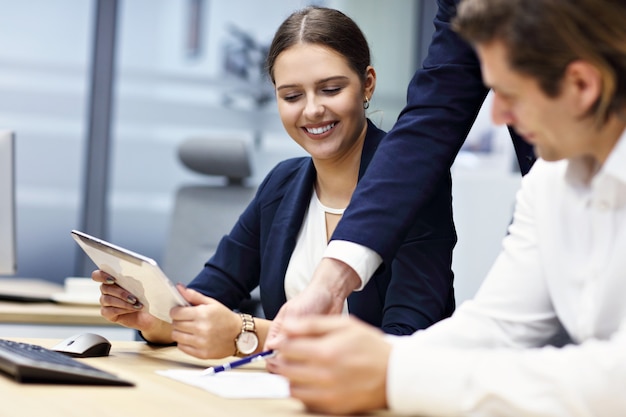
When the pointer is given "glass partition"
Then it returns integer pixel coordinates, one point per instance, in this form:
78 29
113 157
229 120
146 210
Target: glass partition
44 58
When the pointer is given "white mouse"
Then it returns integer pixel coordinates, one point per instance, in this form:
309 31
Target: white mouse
84 345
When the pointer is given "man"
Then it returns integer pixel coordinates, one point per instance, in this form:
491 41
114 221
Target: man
443 100
558 72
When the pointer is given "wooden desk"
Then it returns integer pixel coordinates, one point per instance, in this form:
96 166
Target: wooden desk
18 319
51 313
153 395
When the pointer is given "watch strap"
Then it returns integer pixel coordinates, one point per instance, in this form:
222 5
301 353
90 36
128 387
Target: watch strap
247 325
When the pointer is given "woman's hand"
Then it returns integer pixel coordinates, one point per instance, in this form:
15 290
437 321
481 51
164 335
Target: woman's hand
205 330
119 306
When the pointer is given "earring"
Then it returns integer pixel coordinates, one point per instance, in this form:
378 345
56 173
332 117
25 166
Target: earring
366 103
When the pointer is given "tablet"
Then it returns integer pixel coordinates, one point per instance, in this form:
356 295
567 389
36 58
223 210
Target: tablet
137 274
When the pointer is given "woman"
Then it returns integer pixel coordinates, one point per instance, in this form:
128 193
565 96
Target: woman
319 63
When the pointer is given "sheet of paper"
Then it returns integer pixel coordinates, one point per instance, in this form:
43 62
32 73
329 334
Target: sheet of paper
248 384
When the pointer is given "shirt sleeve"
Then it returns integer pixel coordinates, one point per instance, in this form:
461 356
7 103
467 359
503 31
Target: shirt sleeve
573 381
363 260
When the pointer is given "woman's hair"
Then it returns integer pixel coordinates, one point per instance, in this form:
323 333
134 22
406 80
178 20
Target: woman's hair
321 26
543 37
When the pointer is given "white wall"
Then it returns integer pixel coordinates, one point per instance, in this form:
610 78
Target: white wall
483 208
483 191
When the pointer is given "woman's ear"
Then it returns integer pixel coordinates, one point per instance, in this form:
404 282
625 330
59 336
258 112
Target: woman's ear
370 82
583 83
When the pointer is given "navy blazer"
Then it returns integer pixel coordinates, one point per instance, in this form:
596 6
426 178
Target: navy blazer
413 293
443 100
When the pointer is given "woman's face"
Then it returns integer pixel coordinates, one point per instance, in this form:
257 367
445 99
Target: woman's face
320 100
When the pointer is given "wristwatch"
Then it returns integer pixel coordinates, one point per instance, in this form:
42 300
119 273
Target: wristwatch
247 341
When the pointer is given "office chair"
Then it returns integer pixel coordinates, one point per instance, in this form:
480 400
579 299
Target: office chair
203 213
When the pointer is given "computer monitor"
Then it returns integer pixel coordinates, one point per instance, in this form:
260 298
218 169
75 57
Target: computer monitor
8 259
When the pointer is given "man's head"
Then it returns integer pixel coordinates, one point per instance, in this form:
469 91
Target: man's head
557 67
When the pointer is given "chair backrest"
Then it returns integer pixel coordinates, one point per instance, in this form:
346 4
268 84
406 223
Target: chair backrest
217 157
203 213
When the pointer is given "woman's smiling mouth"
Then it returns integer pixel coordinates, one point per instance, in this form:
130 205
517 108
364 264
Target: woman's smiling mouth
320 130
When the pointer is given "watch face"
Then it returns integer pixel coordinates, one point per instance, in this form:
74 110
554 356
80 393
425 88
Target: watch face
247 342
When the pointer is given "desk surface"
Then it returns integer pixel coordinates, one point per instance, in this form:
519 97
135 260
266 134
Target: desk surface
44 313
51 313
154 395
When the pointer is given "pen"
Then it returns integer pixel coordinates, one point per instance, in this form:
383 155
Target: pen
240 362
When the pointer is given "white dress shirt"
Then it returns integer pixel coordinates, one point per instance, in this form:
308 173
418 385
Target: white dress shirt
563 266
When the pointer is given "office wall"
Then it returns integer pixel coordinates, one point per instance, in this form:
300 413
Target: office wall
484 184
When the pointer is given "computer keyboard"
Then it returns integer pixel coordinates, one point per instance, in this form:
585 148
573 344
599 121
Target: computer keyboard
32 363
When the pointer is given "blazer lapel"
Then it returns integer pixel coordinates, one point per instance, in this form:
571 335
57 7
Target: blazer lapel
282 236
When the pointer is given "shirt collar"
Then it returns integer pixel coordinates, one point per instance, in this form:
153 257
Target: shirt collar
582 170
615 164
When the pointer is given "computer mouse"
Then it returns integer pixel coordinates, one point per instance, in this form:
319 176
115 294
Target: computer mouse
84 345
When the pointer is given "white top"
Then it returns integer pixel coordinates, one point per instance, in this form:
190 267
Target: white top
563 262
310 246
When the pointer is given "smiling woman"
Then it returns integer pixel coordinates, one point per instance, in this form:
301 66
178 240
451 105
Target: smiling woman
319 62
320 102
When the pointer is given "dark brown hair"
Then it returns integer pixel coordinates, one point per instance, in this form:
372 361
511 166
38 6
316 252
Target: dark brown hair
543 37
326 27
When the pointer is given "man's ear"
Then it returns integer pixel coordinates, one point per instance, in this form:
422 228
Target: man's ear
583 83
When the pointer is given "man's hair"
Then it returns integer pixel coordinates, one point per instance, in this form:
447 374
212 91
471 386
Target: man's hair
543 37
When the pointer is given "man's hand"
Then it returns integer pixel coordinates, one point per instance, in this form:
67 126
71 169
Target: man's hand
335 365
331 284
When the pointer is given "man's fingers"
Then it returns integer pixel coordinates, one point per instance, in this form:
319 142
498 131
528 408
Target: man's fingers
303 350
313 338
314 325
274 335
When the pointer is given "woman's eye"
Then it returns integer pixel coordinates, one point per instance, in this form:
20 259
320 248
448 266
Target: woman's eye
331 90
291 97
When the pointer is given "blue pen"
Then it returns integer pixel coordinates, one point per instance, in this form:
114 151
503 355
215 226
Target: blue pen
240 362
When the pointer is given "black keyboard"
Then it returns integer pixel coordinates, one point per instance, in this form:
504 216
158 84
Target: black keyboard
31 363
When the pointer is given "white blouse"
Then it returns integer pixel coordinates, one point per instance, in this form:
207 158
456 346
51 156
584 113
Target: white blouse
310 246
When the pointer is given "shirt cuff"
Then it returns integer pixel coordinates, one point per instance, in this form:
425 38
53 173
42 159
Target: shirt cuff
362 259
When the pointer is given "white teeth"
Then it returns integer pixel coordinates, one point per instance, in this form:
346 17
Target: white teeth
320 130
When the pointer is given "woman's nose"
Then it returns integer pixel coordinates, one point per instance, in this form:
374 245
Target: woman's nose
314 107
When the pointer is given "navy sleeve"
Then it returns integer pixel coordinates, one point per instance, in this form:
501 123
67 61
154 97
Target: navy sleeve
443 100
233 271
